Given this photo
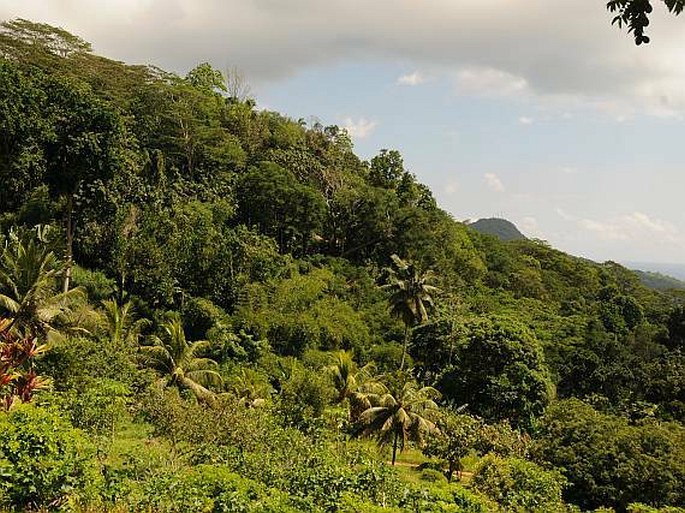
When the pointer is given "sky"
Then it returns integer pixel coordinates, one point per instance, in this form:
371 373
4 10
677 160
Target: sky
538 111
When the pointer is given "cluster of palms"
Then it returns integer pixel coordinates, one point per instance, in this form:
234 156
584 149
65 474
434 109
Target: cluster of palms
394 409
33 308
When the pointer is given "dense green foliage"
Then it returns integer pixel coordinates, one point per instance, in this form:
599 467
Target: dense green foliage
211 307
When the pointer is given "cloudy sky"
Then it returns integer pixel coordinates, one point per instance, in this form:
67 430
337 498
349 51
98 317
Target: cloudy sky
534 110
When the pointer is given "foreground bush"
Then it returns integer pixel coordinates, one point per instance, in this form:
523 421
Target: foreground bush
43 460
519 485
609 462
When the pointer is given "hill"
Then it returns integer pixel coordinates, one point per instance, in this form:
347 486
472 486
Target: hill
501 228
205 306
660 281
676 271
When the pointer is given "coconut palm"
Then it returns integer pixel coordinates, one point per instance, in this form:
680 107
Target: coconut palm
410 296
176 360
347 378
250 387
352 383
28 286
401 413
119 323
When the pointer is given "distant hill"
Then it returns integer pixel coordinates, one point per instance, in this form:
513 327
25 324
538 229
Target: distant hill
659 281
675 270
501 228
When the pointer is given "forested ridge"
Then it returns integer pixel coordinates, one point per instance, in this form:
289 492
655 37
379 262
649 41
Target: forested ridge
207 307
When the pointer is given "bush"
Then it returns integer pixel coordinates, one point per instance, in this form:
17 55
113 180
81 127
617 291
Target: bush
519 485
432 476
641 508
208 488
43 460
304 397
500 372
99 407
609 462
97 285
445 499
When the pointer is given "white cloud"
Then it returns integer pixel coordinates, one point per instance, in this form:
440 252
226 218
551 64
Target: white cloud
494 182
604 230
566 51
451 188
639 222
359 129
489 82
635 226
564 215
525 120
413 79
530 226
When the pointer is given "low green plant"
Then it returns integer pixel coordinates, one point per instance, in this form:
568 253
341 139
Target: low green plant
519 485
44 461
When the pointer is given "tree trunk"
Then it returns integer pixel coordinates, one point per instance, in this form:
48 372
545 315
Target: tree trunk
405 345
394 448
450 471
70 243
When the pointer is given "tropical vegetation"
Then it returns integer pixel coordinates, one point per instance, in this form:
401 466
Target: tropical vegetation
208 306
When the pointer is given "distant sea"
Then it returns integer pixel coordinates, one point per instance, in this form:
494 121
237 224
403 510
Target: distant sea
673 270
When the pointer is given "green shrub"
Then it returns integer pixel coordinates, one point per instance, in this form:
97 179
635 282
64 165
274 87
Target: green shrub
98 286
43 460
519 485
99 407
432 476
208 488
304 397
442 499
642 508
606 460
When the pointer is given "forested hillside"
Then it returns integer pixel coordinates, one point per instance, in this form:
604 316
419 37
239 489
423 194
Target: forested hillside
207 307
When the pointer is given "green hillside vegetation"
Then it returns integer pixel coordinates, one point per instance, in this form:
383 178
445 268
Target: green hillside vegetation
206 307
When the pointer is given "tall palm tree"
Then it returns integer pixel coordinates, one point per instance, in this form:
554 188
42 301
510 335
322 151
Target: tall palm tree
399 414
410 296
28 286
176 360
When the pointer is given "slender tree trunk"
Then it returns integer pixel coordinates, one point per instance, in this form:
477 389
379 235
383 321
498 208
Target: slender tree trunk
394 448
120 292
405 345
70 243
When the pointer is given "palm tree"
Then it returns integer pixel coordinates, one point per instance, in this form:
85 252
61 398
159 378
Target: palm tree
399 414
410 296
28 286
176 360
250 387
119 323
352 383
347 377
